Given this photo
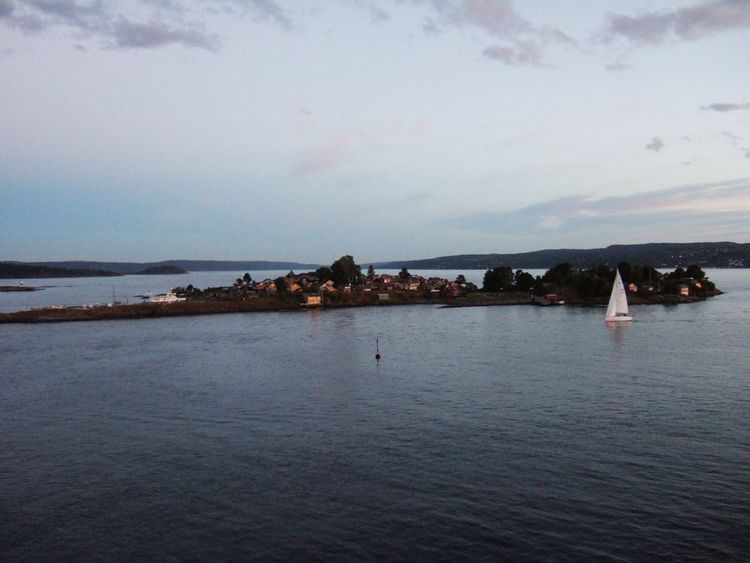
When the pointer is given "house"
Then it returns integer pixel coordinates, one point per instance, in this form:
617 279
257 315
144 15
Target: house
683 289
632 288
313 301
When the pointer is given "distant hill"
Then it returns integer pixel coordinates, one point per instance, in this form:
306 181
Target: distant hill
659 255
14 270
162 271
188 265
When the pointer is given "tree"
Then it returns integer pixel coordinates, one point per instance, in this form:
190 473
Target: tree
461 279
404 274
345 271
370 272
498 279
246 278
523 281
694 271
324 274
626 271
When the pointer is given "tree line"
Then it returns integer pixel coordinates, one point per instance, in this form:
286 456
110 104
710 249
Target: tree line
594 282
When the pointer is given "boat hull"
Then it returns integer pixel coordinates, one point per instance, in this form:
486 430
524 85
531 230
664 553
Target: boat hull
619 319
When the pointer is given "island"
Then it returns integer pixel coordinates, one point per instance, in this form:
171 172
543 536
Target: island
343 284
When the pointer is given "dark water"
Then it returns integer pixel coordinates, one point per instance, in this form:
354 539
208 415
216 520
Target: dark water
511 433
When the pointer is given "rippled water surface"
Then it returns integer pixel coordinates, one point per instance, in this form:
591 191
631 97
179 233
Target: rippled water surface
484 433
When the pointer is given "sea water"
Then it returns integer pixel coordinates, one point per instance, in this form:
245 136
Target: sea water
496 433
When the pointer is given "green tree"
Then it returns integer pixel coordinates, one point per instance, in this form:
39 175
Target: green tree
461 279
404 275
246 278
370 272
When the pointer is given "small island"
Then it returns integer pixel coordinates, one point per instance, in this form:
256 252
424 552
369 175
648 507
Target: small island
343 284
9 288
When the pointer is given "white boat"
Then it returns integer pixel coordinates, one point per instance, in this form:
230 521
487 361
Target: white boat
170 297
617 310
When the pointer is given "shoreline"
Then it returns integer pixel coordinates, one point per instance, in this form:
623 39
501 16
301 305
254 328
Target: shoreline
280 304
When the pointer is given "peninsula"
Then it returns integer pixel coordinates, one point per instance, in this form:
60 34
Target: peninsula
343 284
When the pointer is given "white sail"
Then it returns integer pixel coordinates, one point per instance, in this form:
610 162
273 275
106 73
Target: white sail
617 310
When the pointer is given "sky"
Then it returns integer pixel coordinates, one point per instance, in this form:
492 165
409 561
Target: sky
142 130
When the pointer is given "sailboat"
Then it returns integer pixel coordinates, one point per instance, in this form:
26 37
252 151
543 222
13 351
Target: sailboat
617 310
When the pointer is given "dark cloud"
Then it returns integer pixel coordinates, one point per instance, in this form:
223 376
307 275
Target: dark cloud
155 34
687 24
723 107
655 145
525 52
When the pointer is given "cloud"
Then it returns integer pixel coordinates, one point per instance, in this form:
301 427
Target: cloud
430 27
156 34
525 52
731 138
6 8
331 154
677 206
135 24
687 24
655 145
616 66
268 10
378 15
349 145
724 107
497 17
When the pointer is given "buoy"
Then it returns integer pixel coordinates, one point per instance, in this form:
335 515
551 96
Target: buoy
377 350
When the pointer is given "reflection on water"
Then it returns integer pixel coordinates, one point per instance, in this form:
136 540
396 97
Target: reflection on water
618 331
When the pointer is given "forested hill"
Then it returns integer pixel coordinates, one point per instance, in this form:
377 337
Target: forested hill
16 270
188 265
659 255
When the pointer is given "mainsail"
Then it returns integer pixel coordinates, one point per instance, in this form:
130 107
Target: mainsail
618 301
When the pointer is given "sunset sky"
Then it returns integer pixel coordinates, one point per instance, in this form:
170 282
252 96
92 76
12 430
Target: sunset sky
304 130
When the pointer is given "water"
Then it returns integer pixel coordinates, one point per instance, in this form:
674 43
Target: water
499 433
